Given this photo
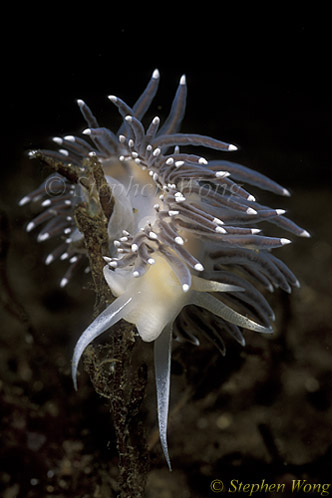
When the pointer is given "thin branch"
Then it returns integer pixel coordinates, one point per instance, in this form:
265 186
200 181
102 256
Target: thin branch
115 377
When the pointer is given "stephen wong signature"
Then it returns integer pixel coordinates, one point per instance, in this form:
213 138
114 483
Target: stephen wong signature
296 486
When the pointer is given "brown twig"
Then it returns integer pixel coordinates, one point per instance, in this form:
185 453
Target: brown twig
124 389
119 383
66 170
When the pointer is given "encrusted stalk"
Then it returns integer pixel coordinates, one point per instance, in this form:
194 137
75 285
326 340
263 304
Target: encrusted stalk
119 383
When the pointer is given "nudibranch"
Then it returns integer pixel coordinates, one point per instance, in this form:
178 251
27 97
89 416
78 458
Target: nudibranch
184 242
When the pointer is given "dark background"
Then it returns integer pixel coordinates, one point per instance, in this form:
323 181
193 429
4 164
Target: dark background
258 78
267 68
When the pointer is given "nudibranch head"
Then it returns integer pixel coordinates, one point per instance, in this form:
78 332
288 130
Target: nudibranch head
182 232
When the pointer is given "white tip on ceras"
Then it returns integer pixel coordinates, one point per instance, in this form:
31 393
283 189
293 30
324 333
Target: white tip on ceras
305 233
49 259
183 80
64 282
30 226
199 267
43 236
155 74
251 211
64 152
24 200
57 140
179 197
285 241
185 287
113 98
222 174
232 147
179 240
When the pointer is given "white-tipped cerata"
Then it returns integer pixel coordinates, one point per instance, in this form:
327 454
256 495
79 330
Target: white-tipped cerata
64 282
251 211
43 236
155 74
25 200
179 240
49 259
305 233
57 140
199 267
232 147
30 226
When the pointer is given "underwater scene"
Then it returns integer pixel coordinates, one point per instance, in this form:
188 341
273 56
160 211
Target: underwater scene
166 270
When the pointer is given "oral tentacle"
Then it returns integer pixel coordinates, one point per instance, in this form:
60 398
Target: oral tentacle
110 316
162 362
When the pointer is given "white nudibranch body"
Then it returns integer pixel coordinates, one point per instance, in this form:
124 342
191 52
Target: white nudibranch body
158 297
182 232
